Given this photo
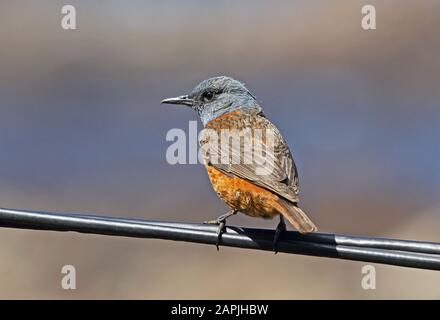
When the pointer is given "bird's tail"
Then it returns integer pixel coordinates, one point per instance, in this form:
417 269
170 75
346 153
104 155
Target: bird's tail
296 217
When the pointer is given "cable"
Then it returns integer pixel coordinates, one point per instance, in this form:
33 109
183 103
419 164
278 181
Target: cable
414 254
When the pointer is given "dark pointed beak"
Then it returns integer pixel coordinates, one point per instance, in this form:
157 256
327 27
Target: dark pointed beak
180 100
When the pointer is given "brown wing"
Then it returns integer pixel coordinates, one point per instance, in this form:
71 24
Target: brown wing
272 169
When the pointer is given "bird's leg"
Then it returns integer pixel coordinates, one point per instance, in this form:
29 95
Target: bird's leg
281 227
221 222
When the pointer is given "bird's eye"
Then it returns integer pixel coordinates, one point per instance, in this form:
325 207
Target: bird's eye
208 95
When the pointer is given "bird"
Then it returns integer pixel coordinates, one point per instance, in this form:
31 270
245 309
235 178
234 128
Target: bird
223 103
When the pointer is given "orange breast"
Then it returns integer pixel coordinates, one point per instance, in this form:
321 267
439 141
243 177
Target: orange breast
223 117
242 195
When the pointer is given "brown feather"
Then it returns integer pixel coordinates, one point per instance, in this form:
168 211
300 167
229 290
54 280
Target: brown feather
242 188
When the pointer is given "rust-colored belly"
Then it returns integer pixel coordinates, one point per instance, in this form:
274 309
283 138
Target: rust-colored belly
243 196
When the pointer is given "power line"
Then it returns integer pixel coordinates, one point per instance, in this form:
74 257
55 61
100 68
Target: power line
414 254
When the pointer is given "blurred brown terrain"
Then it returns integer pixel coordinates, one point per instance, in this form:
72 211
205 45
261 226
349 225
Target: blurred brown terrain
82 130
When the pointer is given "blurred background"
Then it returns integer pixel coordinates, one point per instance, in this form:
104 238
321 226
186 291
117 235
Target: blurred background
82 130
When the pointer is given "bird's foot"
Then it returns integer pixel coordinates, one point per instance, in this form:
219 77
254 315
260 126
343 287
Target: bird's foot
221 222
220 229
281 227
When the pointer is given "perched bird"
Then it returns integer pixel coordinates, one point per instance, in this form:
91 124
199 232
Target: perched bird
223 103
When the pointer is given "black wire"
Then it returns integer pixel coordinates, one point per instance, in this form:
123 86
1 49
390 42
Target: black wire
415 254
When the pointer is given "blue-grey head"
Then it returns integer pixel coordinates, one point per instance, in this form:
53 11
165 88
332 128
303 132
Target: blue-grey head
216 96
